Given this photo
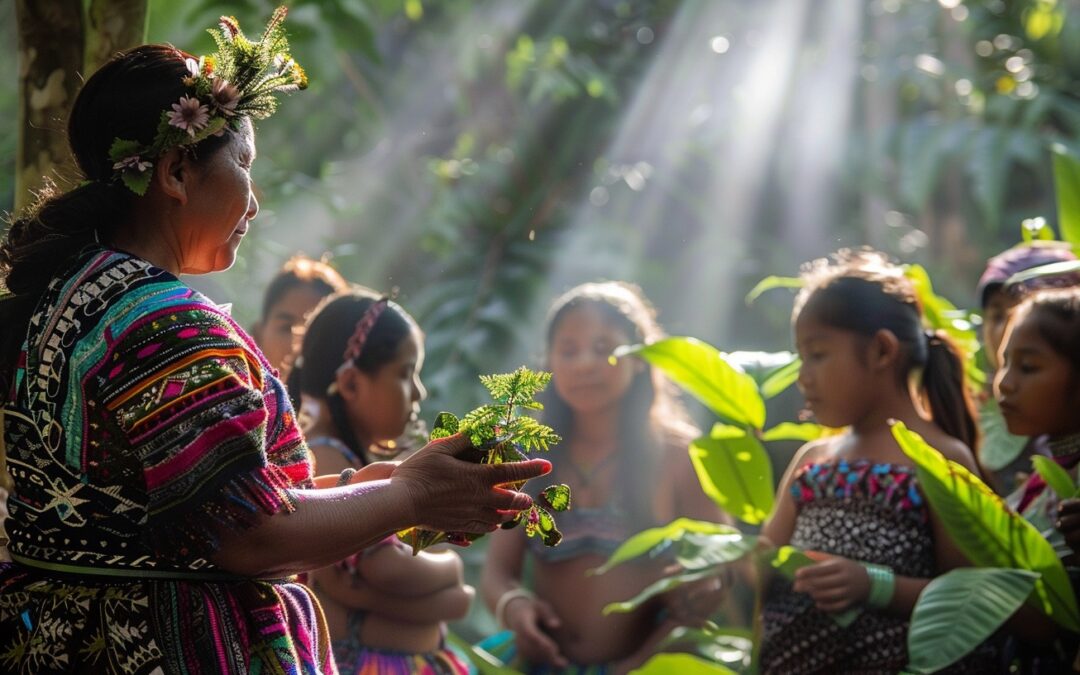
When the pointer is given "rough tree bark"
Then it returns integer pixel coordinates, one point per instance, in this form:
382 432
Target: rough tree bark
50 54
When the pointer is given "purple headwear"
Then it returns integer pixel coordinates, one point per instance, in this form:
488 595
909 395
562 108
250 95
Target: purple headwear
1023 257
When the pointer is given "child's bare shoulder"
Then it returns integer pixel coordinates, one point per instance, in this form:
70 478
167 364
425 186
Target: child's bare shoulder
817 450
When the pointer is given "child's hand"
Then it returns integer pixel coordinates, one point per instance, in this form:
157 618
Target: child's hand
1069 523
374 471
834 584
531 619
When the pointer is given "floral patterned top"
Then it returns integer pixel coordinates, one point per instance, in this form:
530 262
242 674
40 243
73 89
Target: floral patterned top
869 512
143 423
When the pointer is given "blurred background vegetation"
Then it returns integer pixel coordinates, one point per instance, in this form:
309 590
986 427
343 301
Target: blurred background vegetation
482 156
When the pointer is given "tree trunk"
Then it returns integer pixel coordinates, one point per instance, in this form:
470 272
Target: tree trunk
50 54
113 26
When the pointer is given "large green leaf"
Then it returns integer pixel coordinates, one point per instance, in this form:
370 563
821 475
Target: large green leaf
769 283
1067 188
959 610
661 586
1055 476
781 378
702 370
986 530
684 664
790 431
726 645
999 448
735 472
698 551
645 541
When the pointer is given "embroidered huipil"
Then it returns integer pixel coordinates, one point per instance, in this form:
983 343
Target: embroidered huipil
143 424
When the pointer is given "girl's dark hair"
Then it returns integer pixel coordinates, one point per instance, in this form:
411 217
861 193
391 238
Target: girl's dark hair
652 418
124 99
301 271
862 291
323 350
1056 316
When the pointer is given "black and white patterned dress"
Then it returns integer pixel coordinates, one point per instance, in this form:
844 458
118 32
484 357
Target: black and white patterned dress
869 512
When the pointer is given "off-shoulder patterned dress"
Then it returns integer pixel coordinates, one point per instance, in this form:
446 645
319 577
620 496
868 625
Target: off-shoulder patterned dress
144 423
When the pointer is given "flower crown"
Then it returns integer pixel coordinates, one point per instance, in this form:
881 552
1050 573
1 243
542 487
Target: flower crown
238 80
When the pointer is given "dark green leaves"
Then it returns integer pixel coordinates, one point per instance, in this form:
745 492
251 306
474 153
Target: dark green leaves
987 531
960 609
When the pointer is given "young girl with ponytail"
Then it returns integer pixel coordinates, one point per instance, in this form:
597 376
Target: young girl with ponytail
853 498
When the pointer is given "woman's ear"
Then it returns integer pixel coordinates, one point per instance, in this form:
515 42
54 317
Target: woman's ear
172 174
883 350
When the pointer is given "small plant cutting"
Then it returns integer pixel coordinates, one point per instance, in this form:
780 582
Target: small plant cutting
502 434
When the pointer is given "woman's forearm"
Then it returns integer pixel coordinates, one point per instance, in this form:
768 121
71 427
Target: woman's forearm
326 526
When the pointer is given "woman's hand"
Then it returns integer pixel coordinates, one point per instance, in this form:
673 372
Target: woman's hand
530 619
444 492
834 584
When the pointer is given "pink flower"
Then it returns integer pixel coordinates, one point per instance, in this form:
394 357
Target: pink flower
132 162
225 97
189 114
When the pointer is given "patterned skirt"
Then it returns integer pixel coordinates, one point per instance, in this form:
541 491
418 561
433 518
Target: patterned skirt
356 659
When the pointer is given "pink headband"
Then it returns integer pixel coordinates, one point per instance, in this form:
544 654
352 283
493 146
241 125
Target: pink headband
355 345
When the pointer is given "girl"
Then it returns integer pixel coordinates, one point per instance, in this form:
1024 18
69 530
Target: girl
624 456
360 361
290 297
1037 389
853 497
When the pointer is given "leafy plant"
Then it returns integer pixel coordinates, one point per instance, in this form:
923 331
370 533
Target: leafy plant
987 531
502 434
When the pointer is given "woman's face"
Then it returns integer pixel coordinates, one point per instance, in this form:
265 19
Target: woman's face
279 333
219 207
580 350
388 398
1035 385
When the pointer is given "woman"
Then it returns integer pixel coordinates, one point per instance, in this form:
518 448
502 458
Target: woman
162 489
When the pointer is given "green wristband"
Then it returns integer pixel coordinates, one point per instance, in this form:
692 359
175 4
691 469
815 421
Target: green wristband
882 585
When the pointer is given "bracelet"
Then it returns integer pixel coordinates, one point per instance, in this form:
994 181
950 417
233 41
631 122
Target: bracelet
506 598
882 585
346 476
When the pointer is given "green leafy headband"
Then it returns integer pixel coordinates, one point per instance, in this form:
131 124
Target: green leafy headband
238 80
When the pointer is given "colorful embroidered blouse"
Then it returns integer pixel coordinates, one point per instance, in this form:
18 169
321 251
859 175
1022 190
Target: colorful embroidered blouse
143 423
869 512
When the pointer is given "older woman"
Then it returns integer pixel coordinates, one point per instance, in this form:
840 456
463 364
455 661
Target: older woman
162 489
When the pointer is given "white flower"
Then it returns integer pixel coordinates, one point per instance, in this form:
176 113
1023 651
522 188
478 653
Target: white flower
189 114
133 162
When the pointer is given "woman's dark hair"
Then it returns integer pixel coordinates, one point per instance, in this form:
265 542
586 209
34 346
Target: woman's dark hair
1056 316
863 292
301 271
326 337
124 99
652 418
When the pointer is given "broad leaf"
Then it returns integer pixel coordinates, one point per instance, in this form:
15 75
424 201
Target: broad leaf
959 610
781 378
986 530
769 283
683 664
722 644
999 448
1067 188
698 551
1055 476
735 472
702 370
647 540
661 586
790 431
